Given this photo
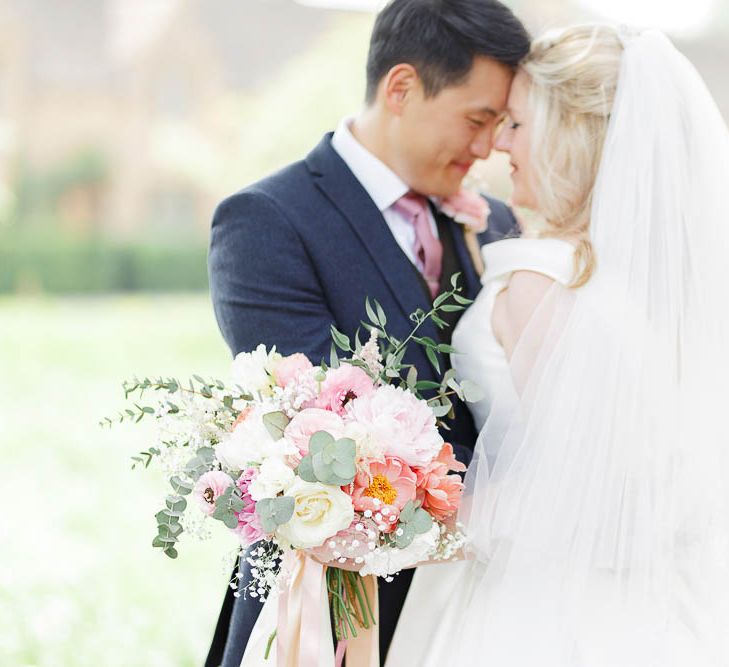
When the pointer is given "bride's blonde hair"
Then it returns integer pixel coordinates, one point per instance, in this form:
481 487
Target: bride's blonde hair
574 74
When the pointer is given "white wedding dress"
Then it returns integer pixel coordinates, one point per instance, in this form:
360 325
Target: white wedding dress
447 587
597 502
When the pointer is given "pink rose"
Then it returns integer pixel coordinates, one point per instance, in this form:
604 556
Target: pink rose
438 492
401 423
289 368
468 208
209 488
309 421
342 386
387 488
249 528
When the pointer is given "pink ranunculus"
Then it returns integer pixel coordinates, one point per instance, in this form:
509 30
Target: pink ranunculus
309 421
438 492
342 386
400 422
387 488
249 528
468 208
209 487
289 368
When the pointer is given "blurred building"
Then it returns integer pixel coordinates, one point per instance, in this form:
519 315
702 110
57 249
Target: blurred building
123 117
93 94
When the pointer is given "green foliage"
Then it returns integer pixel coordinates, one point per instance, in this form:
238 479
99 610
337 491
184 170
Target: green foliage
276 423
60 265
274 512
413 521
329 461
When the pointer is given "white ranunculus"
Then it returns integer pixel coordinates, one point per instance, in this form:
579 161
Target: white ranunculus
383 562
320 511
250 443
273 477
253 371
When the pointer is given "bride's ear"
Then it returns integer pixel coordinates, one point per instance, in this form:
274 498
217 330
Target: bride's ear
399 87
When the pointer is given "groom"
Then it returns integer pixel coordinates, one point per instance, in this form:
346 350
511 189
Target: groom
300 250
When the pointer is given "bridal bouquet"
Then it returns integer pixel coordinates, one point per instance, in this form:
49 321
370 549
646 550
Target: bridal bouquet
342 461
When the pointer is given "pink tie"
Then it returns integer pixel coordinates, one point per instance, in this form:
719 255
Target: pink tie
427 248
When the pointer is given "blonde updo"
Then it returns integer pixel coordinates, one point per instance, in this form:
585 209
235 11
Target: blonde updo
573 74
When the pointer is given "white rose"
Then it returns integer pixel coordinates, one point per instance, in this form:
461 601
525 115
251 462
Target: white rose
253 371
250 443
386 561
273 477
320 511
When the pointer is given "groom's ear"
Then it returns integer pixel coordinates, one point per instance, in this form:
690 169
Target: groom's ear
399 86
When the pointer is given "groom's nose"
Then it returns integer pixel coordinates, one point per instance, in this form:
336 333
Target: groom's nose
482 144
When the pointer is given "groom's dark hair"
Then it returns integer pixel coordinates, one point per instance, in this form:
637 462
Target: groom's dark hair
441 38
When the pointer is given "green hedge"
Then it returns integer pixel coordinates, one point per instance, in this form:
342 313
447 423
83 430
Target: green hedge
101 266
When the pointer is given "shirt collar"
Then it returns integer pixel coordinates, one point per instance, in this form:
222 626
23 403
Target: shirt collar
382 184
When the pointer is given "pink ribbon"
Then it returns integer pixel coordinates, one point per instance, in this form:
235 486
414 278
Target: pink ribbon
300 612
303 637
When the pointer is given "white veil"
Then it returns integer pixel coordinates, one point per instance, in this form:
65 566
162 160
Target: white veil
602 510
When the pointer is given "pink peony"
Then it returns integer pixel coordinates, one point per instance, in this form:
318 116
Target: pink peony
342 386
209 488
438 492
289 368
468 208
309 421
249 528
387 488
400 422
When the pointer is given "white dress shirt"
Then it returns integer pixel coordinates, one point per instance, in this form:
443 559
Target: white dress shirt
382 184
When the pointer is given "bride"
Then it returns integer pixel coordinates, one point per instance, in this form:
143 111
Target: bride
598 503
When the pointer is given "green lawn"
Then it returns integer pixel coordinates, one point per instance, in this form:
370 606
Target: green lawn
80 584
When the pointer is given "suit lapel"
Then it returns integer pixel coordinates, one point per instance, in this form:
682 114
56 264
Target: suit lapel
339 185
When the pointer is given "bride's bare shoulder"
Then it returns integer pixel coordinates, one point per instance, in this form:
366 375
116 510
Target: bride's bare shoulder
516 304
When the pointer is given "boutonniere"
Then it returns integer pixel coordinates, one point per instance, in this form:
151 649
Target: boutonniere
467 208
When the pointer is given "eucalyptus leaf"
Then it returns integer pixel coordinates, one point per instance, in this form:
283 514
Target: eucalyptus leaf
231 521
451 308
412 377
404 539
274 512
180 486
433 358
206 455
340 340
440 410
171 552
472 392
305 470
319 440
370 312
408 511
381 314
421 522
276 423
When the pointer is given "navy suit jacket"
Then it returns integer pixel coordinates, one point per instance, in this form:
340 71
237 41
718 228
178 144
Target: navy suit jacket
301 250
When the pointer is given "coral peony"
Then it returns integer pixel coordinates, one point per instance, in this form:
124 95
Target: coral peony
439 492
387 488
